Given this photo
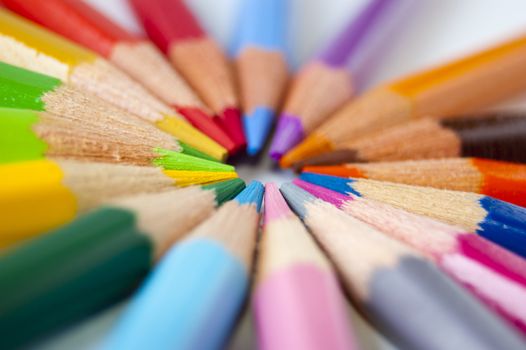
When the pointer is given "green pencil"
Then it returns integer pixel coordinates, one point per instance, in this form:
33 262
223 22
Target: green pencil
61 121
96 260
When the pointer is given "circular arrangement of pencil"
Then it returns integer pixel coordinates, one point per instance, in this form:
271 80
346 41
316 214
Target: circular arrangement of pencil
410 207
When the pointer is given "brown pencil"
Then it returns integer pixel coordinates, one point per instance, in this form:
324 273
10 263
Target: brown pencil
500 136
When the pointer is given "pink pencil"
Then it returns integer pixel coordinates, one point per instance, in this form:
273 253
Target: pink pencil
297 302
493 274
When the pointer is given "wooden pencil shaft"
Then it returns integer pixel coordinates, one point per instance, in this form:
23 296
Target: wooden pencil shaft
460 86
397 280
71 63
194 55
316 92
450 90
83 24
235 227
494 178
195 302
497 137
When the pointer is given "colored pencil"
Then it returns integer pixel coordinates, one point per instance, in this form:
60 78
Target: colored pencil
407 297
196 56
193 297
29 90
28 135
452 89
33 47
261 66
330 79
494 275
95 261
139 58
499 136
501 180
498 221
58 190
297 302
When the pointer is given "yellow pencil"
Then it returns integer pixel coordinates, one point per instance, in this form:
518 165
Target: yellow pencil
30 46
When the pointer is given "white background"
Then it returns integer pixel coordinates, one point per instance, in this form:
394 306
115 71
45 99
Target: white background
435 31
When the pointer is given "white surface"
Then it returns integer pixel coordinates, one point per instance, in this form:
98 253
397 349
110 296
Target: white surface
437 30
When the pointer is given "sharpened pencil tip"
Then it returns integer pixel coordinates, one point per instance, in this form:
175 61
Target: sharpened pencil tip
313 145
275 205
257 126
296 198
230 121
334 183
171 160
226 190
252 194
289 132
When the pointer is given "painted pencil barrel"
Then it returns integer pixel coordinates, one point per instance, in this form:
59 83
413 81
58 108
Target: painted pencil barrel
189 302
300 307
406 296
33 198
48 283
447 306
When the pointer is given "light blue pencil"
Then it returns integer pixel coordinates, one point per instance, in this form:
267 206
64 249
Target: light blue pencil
194 295
262 68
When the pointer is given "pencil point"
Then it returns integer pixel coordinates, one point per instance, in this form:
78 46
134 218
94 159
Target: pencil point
313 145
275 205
184 178
337 184
329 158
226 190
230 121
296 198
252 194
335 170
186 132
191 151
257 126
171 160
335 198
206 124
289 132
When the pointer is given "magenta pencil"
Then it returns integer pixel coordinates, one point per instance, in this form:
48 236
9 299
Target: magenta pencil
297 303
493 274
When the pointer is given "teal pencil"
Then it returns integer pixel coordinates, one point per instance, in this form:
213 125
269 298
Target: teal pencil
193 297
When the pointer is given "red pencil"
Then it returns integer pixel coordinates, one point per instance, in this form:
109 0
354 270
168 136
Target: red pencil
138 57
174 29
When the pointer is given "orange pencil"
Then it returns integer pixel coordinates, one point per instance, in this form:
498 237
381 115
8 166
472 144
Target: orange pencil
455 88
502 180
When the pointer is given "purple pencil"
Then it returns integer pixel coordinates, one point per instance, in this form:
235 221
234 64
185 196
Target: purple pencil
334 75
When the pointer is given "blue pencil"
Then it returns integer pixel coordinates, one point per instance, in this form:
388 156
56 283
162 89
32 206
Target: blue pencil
194 295
500 222
261 65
